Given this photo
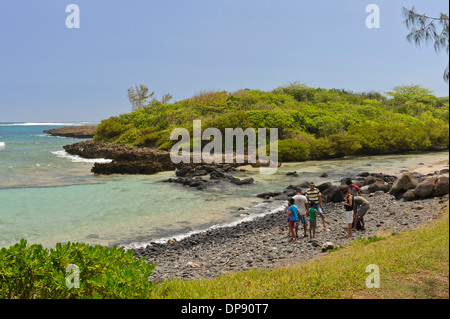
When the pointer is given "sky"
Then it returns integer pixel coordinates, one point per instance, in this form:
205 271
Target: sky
52 73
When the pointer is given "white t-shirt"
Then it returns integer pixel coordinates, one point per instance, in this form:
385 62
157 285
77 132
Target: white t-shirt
300 201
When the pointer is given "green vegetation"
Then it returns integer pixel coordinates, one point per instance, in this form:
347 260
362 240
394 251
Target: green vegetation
31 272
140 98
412 265
369 240
313 123
428 29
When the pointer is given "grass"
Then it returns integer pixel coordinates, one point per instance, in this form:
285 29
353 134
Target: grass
413 264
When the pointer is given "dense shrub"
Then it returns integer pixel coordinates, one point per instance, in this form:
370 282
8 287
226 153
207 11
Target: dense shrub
32 271
290 150
337 122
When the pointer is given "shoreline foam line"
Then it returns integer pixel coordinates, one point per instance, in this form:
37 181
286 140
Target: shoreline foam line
79 159
49 124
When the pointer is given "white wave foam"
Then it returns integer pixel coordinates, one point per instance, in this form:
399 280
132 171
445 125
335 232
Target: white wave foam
194 232
79 159
49 124
2 144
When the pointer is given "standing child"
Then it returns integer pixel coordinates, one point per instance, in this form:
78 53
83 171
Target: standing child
312 213
349 205
293 219
288 215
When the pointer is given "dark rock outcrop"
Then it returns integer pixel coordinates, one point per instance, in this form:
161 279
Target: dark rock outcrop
146 160
127 159
73 131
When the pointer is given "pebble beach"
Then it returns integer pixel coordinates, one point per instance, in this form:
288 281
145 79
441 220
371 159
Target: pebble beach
263 242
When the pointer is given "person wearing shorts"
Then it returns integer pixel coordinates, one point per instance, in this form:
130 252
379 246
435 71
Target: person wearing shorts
348 204
293 219
314 197
355 191
302 204
362 208
312 213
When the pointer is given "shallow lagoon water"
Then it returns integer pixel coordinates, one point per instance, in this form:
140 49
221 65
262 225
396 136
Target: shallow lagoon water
48 196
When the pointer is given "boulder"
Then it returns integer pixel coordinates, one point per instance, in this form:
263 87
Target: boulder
390 178
436 186
409 195
281 197
327 246
294 187
304 185
182 172
238 181
364 174
406 182
268 194
442 186
370 180
247 181
379 185
324 186
426 188
358 183
334 195
216 174
365 189
290 192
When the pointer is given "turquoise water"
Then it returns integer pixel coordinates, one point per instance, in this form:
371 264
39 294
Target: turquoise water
48 196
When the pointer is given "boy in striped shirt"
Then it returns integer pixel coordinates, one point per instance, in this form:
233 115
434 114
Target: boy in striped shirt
315 200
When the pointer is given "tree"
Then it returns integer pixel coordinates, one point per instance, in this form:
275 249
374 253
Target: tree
428 29
139 98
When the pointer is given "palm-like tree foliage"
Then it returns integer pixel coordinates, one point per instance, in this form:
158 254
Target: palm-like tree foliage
428 29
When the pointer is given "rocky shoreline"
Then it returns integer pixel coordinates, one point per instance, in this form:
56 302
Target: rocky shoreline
263 242
126 159
138 160
73 131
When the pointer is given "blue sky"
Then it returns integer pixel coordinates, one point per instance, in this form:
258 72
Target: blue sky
51 73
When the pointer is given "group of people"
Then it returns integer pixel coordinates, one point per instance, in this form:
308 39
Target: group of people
306 208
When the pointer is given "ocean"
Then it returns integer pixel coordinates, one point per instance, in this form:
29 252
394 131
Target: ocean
48 196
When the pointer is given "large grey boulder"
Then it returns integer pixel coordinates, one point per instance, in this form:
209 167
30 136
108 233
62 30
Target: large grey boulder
434 186
403 184
442 186
425 189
